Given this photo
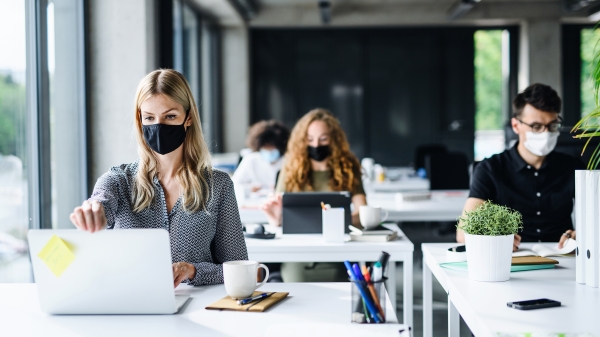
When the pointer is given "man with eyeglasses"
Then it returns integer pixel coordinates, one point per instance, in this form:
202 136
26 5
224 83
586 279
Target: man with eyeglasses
530 177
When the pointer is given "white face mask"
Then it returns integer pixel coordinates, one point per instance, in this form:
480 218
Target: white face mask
540 144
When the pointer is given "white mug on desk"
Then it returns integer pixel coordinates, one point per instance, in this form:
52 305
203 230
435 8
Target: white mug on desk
370 217
240 278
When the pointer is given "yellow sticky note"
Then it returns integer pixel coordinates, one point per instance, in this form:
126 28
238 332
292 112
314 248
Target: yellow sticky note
56 255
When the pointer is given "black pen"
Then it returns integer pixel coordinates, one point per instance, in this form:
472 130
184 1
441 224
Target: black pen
383 259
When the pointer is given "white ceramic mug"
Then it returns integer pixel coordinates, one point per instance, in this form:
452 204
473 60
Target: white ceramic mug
240 278
370 217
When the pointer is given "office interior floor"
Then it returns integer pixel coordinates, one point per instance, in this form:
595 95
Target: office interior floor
418 233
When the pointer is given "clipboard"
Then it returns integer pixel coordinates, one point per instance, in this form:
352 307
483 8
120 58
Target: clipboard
228 303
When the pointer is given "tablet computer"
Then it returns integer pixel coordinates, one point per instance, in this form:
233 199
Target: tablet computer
302 211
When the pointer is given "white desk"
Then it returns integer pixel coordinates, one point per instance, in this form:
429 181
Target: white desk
312 248
483 304
313 306
443 206
402 185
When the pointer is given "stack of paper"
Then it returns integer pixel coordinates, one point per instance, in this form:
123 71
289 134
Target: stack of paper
378 234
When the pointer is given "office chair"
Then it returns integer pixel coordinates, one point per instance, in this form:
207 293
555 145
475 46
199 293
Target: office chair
423 151
472 170
448 171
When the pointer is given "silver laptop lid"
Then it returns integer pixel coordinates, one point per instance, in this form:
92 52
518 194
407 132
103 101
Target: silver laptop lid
107 272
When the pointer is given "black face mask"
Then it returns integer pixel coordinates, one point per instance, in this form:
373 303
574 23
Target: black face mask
164 138
318 153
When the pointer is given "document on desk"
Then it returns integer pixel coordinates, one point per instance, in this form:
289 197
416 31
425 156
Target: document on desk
337 329
547 250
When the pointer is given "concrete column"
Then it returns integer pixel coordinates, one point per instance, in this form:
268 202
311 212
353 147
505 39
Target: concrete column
540 54
236 87
121 52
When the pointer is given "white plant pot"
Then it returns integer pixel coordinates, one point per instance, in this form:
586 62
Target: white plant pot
489 257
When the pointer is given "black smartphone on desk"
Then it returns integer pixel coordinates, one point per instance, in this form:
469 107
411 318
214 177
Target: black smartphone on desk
534 304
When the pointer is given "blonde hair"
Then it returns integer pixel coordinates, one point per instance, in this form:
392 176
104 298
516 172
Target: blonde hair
344 166
192 175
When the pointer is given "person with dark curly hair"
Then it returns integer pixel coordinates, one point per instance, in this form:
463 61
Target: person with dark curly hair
258 169
318 160
531 177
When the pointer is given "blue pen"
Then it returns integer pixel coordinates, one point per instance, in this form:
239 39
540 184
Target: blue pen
250 299
360 303
358 277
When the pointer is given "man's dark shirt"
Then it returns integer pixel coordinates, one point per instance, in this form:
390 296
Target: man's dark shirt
544 197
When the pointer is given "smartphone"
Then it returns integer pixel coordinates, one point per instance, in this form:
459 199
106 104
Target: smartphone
534 304
458 249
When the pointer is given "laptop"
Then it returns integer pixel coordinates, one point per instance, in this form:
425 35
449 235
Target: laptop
108 272
302 213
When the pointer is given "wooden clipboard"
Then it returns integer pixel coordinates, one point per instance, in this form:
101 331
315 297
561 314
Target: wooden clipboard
228 303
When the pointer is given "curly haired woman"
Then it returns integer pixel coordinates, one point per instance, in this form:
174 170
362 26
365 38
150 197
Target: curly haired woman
318 159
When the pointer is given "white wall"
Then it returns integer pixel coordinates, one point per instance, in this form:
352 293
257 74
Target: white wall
540 54
121 53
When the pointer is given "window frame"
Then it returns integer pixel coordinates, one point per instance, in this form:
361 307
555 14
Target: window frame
38 110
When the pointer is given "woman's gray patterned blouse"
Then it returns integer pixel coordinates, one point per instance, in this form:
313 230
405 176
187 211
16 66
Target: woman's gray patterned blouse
205 239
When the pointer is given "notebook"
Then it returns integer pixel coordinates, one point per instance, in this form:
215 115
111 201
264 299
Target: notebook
547 250
228 303
462 266
373 238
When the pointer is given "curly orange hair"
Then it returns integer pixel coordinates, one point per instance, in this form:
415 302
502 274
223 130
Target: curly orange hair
345 167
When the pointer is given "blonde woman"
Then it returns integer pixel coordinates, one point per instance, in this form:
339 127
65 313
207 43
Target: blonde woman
172 185
318 159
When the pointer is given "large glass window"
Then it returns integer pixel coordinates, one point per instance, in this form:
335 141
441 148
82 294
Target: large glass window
196 55
589 46
14 210
66 108
42 123
491 76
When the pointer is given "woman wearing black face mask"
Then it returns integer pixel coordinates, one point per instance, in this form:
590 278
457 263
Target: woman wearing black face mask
172 185
318 159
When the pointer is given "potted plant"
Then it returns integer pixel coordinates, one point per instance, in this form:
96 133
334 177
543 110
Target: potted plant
489 236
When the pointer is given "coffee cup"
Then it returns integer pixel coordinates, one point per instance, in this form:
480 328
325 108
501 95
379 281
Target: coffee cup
240 278
370 217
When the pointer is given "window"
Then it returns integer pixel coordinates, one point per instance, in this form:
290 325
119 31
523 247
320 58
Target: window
195 46
66 109
14 205
589 47
42 123
491 91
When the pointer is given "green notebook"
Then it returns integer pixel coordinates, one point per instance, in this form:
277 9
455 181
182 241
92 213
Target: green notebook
462 266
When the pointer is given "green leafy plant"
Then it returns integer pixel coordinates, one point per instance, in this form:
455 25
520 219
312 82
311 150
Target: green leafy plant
491 219
589 126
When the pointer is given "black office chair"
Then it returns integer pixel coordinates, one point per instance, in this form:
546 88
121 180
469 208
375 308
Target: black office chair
423 151
447 171
472 171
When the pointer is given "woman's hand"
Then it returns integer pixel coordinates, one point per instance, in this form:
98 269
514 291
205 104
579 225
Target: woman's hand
89 216
272 208
182 271
569 234
517 242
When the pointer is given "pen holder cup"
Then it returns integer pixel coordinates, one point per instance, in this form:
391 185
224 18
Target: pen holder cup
364 305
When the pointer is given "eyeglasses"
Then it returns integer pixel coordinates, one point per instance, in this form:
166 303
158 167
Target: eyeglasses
539 128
